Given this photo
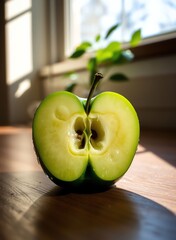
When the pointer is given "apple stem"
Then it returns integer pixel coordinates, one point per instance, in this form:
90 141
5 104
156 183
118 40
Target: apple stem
97 78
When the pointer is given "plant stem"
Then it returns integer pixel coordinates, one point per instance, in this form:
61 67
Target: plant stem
97 78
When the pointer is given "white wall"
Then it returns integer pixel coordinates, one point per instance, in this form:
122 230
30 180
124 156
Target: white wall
18 106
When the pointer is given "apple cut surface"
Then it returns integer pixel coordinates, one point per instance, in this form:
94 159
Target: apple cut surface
55 140
75 146
117 127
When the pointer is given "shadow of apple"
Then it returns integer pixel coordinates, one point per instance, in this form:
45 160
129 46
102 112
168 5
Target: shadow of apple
111 214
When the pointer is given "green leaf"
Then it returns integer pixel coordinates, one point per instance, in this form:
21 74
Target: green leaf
78 53
136 38
111 30
116 56
118 77
109 53
70 87
106 54
84 46
97 38
113 46
81 49
103 55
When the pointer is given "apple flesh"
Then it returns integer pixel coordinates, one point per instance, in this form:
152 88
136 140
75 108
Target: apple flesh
76 148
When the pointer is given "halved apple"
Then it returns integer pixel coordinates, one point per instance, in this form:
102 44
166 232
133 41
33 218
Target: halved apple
77 148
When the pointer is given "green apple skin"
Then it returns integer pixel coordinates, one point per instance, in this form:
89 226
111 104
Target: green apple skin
76 149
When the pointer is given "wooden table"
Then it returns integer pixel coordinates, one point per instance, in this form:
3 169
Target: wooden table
141 206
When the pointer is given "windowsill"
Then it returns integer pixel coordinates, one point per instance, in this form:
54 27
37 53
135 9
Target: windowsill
149 48
156 46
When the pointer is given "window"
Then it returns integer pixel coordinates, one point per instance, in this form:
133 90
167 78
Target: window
89 17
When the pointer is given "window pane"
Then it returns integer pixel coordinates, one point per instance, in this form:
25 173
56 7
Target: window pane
97 16
153 17
91 17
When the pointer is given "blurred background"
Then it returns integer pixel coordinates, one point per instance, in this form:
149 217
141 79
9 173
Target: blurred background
38 36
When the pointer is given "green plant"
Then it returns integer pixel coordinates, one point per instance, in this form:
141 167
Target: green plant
108 56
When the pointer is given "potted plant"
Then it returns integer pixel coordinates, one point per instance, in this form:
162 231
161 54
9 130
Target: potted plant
112 54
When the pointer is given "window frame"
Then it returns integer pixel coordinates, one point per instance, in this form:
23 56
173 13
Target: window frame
4 104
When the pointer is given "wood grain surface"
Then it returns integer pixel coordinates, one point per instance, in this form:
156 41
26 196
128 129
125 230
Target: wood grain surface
141 206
